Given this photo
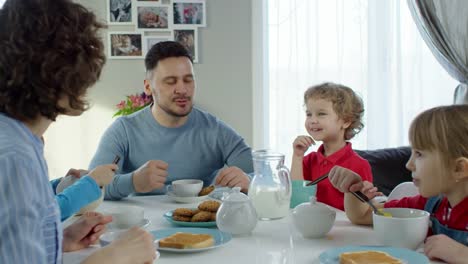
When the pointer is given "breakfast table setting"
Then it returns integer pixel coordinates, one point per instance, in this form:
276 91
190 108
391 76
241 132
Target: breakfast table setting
278 221
271 241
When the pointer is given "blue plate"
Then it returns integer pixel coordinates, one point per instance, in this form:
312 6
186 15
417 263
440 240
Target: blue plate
168 216
220 237
332 256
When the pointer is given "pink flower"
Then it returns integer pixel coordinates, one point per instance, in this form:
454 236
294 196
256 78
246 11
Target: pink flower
121 105
133 103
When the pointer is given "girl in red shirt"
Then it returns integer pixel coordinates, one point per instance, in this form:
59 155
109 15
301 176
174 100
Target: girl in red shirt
439 165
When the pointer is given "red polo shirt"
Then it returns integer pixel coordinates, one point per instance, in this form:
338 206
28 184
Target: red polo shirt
316 164
455 218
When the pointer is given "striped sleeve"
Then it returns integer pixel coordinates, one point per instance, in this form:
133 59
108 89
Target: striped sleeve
21 211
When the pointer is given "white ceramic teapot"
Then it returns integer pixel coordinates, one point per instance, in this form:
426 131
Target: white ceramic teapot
236 215
313 219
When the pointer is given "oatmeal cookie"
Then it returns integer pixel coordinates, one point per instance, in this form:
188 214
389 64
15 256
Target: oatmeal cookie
206 190
181 218
210 206
184 212
213 217
202 216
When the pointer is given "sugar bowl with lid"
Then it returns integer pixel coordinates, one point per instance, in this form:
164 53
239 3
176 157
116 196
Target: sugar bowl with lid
313 219
236 215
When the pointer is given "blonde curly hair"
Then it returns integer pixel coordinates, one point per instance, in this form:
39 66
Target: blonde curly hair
346 103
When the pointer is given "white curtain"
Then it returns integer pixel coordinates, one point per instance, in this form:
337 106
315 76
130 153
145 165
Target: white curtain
371 46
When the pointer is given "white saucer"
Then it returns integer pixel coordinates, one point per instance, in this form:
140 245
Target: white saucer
193 199
144 223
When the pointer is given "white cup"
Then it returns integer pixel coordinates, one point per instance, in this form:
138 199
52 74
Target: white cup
185 188
125 216
406 228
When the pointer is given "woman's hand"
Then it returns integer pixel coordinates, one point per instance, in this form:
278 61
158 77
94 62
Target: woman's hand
85 231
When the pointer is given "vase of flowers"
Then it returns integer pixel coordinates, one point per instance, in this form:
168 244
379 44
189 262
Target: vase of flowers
133 103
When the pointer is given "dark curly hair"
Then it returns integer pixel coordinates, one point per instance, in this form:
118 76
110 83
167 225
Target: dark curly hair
346 103
163 50
50 50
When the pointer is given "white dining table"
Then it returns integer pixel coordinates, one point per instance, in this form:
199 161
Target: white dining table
271 242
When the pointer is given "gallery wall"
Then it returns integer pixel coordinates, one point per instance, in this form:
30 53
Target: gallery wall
223 76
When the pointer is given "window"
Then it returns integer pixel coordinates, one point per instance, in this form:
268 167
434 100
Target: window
371 46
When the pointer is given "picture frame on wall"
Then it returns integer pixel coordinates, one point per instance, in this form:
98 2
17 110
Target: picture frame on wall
189 12
125 45
119 12
153 17
149 41
188 37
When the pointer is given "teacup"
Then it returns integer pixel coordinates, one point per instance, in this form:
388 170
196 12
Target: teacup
405 228
126 216
185 188
301 193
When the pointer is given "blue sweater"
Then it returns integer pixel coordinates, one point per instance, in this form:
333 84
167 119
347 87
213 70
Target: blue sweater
195 150
78 195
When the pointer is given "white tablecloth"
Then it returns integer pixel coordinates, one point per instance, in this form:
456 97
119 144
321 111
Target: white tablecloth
272 242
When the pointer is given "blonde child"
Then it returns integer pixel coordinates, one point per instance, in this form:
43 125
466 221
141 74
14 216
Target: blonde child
439 165
333 116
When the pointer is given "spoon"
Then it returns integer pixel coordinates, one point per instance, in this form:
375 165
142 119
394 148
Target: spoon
363 198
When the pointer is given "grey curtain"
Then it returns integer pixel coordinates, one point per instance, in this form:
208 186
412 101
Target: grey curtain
443 25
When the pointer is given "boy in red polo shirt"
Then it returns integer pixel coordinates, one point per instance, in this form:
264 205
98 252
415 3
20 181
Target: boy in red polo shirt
333 116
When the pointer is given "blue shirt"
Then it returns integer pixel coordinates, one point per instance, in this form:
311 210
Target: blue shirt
30 230
74 197
195 150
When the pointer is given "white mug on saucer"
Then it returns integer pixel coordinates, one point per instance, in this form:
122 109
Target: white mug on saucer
125 216
185 188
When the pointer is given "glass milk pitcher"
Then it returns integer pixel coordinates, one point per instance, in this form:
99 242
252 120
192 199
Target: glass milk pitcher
270 189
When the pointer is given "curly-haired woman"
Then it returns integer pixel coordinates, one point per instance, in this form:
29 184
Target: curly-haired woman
51 54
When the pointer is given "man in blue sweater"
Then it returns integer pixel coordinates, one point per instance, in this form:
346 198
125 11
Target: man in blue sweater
170 139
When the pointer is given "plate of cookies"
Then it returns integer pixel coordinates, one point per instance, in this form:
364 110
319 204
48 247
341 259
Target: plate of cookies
202 216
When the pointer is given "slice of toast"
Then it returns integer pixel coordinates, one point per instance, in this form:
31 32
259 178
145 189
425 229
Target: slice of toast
368 257
187 240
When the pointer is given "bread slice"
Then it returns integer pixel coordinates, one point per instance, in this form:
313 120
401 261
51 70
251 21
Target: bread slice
187 240
368 257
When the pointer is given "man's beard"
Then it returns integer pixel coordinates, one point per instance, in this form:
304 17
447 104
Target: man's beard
174 114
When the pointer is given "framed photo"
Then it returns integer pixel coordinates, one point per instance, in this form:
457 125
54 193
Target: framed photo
119 12
149 41
189 39
125 45
189 12
153 17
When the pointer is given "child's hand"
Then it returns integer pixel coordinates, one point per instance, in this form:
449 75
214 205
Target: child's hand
370 190
444 248
301 144
103 174
76 173
345 180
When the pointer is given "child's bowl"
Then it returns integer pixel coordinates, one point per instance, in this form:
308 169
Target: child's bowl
405 228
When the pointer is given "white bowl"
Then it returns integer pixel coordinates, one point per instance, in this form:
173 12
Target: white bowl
406 228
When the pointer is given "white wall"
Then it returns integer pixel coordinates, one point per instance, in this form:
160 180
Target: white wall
224 84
